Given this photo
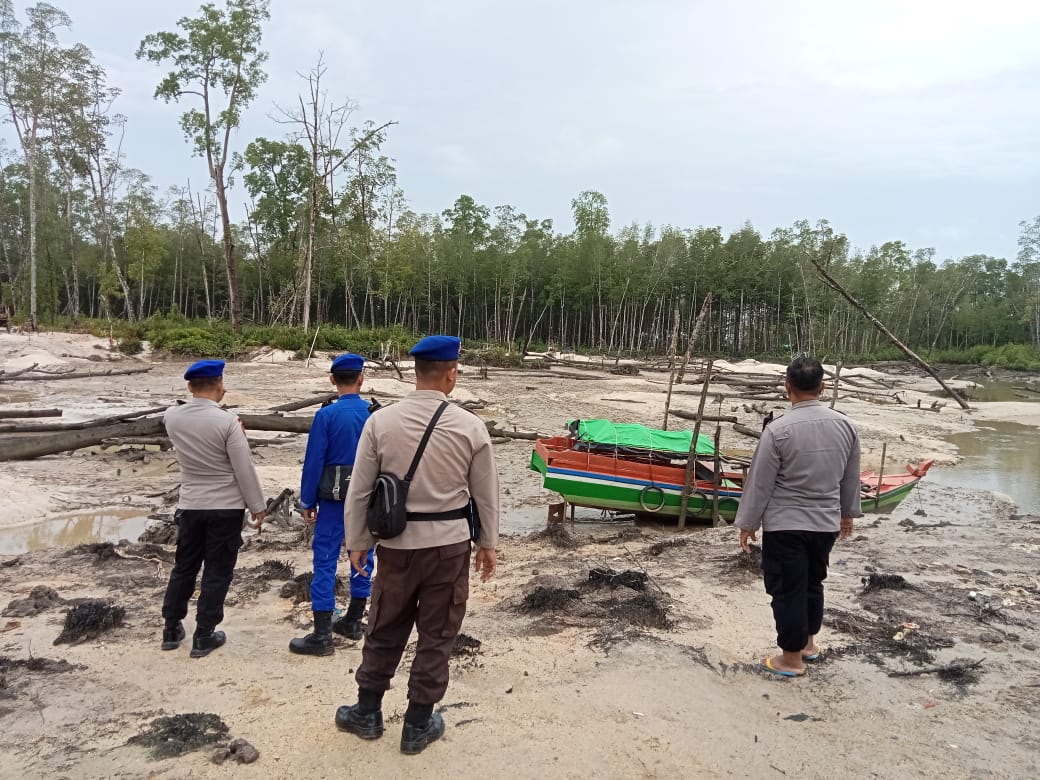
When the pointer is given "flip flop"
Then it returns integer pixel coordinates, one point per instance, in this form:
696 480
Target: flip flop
768 663
814 657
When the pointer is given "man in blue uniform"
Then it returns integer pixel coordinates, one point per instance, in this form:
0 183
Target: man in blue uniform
331 447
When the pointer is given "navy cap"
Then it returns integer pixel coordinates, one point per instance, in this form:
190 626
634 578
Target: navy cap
437 348
205 369
348 362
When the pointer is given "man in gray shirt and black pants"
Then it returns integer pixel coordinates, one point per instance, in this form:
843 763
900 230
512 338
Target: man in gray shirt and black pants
803 490
218 481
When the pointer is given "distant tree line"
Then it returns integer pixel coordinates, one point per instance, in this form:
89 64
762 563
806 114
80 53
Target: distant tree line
329 237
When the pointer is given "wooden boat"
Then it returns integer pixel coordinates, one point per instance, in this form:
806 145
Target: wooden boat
650 483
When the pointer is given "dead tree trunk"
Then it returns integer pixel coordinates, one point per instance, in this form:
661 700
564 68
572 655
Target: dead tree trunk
913 356
705 308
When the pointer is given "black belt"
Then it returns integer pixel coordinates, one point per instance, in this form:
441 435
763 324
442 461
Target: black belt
451 514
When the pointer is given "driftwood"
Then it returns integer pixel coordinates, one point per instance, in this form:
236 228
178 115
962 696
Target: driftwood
914 357
162 442
11 374
25 448
294 406
26 414
691 461
705 417
78 426
747 431
501 433
44 375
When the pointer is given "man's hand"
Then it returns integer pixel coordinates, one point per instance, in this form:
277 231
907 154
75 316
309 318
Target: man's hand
846 528
745 537
310 515
485 563
256 519
357 561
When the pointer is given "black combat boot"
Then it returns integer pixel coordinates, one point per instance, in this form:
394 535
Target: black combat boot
319 642
365 719
415 736
350 624
205 642
172 635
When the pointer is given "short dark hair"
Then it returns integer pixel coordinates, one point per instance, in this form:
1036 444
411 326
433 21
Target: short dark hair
204 383
432 369
345 378
805 374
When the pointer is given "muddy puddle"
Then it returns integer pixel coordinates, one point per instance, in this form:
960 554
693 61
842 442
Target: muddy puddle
1002 457
103 525
1006 391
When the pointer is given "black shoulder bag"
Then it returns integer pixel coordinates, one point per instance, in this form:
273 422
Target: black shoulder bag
387 516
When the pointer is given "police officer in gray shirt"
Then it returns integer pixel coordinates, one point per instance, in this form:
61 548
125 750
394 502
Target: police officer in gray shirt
218 481
802 490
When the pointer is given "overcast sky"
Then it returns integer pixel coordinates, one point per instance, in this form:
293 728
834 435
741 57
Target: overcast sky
895 119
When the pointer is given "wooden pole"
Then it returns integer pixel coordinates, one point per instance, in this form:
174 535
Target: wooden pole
671 367
914 357
715 480
691 462
837 378
313 342
881 474
705 308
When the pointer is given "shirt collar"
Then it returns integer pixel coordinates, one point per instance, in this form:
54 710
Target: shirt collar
814 402
203 401
428 394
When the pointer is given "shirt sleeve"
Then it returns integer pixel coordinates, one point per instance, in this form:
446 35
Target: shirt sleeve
242 464
758 487
313 462
483 488
362 480
850 482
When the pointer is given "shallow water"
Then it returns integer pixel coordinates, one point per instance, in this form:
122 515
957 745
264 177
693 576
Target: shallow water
1003 457
104 525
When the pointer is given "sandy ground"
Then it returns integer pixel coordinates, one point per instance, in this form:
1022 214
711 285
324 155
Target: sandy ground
667 686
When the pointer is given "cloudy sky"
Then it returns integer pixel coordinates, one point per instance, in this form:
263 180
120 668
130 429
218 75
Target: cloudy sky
895 119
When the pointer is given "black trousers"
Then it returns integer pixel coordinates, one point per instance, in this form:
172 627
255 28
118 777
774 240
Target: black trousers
207 539
425 588
794 566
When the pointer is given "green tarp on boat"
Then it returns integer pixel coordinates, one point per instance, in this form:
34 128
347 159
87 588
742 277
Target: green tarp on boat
632 436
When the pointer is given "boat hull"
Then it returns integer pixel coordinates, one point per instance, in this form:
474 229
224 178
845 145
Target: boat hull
614 484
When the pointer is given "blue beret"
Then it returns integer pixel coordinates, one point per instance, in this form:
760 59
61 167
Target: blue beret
205 369
437 348
348 362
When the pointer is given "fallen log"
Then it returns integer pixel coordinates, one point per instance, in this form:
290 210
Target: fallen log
747 431
11 374
703 417
495 431
26 414
294 406
162 442
276 422
26 448
45 375
82 425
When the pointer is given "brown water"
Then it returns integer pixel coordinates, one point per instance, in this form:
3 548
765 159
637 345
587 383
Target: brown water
105 525
1003 457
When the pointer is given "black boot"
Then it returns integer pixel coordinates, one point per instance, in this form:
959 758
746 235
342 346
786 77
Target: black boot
350 624
320 641
205 642
172 636
415 737
367 725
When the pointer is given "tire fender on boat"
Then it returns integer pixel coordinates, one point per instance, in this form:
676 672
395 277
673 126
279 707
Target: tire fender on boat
642 499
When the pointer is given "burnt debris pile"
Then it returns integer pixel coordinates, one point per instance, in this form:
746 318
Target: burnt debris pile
175 735
40 598
89 619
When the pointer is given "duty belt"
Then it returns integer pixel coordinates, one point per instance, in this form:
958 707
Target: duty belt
451 514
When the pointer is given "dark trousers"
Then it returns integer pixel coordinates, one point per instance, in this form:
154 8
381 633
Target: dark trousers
426 588
794 565
206 539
